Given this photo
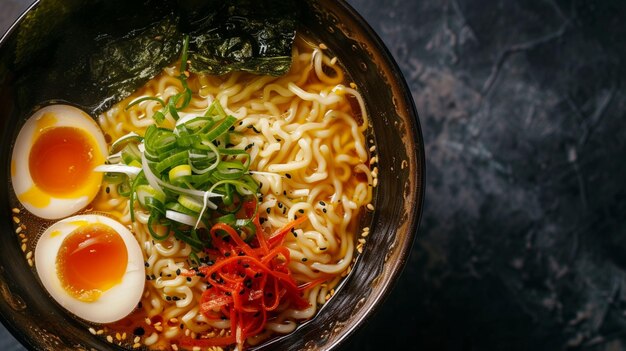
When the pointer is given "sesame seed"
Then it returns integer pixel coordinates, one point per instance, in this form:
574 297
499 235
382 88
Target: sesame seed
370 207
373 160
333 61
136 339
174 347
304 259
375 182
100 332
16 220
22 236
323 46
372 148
362 241
124 335
366 229
352 85
16 210
24 239
29 255
136 345
364 234
24 247
118 336
109 338
148 321
288 175
18 230
92 331
30 262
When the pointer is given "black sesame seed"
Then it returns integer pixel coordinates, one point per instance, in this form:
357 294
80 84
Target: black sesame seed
280 205
322 248
175 298
227 293
324 210
188 279
153 277
182 326
168 298
147 277
108 190
227 254
268 210
322 203
304 259
178 271
301 211
285 192
288 175
146 264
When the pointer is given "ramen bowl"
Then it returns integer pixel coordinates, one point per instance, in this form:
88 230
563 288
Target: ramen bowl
37 322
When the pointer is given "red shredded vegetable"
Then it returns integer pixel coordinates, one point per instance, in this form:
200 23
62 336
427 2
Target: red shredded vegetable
246 283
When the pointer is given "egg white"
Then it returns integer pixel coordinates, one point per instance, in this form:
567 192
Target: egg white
113 304
21 179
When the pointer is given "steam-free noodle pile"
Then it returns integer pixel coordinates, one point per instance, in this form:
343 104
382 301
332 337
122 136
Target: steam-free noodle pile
306 136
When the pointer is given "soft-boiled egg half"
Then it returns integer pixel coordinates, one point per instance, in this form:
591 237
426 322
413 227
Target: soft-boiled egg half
91 265
52 162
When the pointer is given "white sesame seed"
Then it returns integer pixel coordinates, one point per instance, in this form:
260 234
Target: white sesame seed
100 332
109 338
323 46
24 247
372 148
18 230
136 339
16 220
148 321
333 61
29 255
370 207
118 336
92 331
174 347
136 345
124 335
16 210
375 183
30 262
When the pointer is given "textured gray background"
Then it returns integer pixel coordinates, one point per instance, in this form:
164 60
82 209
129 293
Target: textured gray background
523 240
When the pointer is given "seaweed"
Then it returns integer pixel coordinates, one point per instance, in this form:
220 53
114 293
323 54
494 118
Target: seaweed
94 53
244 35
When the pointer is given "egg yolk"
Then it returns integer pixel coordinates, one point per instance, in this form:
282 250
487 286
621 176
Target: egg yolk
61 160
91 260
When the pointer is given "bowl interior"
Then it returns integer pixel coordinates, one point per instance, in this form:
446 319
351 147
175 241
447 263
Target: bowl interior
36 321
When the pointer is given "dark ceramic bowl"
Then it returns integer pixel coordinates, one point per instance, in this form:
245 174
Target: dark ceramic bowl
36 321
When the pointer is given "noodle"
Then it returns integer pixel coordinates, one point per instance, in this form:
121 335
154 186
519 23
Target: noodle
308 154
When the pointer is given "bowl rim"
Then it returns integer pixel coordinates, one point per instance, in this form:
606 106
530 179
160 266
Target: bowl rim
417 153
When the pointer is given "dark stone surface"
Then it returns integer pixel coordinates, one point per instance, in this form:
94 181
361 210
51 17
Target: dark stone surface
523 240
